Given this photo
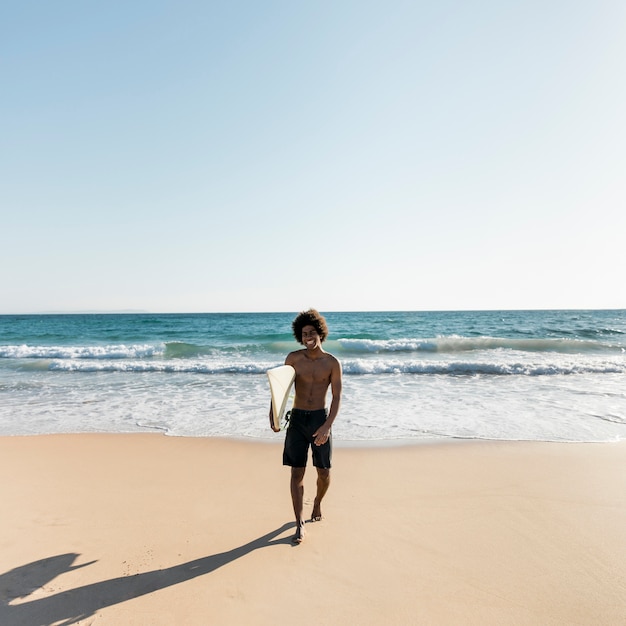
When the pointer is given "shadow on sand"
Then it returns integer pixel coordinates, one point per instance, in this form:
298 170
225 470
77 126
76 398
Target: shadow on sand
68 607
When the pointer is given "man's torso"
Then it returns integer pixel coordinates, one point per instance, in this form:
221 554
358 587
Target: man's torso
313 377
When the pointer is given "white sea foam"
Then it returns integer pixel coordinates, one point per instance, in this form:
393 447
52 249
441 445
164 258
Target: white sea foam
485 368
166 367
379 408
353 367
465 344
119 351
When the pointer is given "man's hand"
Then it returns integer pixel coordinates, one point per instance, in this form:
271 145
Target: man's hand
321 435
276 430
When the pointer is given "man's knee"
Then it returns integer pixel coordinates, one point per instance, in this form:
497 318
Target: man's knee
297 473
323 474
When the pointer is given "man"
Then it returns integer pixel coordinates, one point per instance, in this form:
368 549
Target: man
310 422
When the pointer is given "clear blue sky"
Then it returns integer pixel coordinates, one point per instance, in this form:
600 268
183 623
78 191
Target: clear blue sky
347 155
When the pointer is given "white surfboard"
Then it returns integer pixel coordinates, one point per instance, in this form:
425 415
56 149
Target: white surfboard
281 381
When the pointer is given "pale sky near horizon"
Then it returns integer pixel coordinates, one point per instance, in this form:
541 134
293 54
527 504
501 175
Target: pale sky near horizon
197 156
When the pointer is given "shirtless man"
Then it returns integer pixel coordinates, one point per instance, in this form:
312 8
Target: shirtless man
310 422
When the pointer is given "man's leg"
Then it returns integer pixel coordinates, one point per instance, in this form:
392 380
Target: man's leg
297 497
323 482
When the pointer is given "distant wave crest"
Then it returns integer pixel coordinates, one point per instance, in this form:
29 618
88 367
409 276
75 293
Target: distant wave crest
119 351
466 344
182 350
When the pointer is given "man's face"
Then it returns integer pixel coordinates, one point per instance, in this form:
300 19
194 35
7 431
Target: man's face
310 338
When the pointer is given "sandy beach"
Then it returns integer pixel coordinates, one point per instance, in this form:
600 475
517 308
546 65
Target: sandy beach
148 529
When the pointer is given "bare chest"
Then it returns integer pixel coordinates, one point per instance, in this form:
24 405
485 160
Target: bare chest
314 371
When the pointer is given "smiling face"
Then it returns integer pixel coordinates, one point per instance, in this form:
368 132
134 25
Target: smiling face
310 338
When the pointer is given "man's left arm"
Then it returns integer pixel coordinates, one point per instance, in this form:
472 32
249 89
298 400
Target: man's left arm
322 433
336 384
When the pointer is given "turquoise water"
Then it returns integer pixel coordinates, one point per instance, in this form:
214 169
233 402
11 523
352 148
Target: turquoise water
538 375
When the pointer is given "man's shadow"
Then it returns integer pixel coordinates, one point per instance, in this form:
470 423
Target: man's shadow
68 607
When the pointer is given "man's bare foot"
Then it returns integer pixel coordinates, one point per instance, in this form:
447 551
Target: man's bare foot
300 532
316 516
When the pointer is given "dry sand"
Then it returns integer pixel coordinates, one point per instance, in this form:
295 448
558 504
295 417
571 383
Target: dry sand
155 530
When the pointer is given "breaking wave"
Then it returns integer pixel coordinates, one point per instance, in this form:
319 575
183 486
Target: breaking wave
81 352
355 367
451 344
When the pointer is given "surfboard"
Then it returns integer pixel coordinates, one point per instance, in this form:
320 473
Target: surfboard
281 381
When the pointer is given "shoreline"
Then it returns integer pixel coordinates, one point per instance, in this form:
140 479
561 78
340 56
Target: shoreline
145 528
365 444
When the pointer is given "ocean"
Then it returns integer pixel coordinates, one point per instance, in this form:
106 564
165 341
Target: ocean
408 376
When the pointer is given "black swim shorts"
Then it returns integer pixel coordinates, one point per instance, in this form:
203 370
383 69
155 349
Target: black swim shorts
302 425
